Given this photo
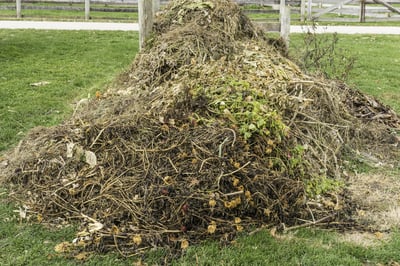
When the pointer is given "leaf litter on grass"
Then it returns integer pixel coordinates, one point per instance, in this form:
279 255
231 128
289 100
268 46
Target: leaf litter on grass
211 132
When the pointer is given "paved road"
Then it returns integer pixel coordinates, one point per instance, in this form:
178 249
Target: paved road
348 29
52 25
47 25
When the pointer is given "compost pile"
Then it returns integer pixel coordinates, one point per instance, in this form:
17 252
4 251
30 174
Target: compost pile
211 132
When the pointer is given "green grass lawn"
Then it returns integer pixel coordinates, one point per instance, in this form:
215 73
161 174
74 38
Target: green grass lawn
73 63
78 63
376 70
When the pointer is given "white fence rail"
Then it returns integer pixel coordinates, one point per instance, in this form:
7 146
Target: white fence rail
354 10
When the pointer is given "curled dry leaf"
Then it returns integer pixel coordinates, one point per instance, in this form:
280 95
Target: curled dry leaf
94 226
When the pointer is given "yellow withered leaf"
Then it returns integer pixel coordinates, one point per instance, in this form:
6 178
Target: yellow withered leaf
239 228
63 247
115 230
270 164
168 180
184 244
212 203
237 220
97 240
212 227
247 194
238 200
98 95
378 235
137 239
82 256
235 181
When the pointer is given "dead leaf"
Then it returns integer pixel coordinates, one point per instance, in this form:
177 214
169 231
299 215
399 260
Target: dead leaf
273 232
98 95
139 263
40 83
235 181
184 244
212 227
63 247
378 235
94 226
239 228
70 149
90 158
22 212
212 203
267 212
39 218
82 256
137 239
115 230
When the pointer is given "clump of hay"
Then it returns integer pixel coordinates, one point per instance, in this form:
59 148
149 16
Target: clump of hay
212 132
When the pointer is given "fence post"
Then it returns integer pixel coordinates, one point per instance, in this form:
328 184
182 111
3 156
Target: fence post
362 11
87 9
303 10
18 8
284 14
309 9
145 20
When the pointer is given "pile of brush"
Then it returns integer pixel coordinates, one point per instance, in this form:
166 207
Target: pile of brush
210 133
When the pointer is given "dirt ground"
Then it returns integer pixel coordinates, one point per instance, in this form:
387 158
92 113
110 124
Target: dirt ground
377 195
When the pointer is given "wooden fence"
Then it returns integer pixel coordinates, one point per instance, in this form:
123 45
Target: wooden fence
317 10
272 21
354 10
111 5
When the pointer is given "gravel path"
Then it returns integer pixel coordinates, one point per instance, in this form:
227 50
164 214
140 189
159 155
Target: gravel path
51 25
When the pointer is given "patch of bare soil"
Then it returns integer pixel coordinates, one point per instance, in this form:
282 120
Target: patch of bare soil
365 239
378 198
